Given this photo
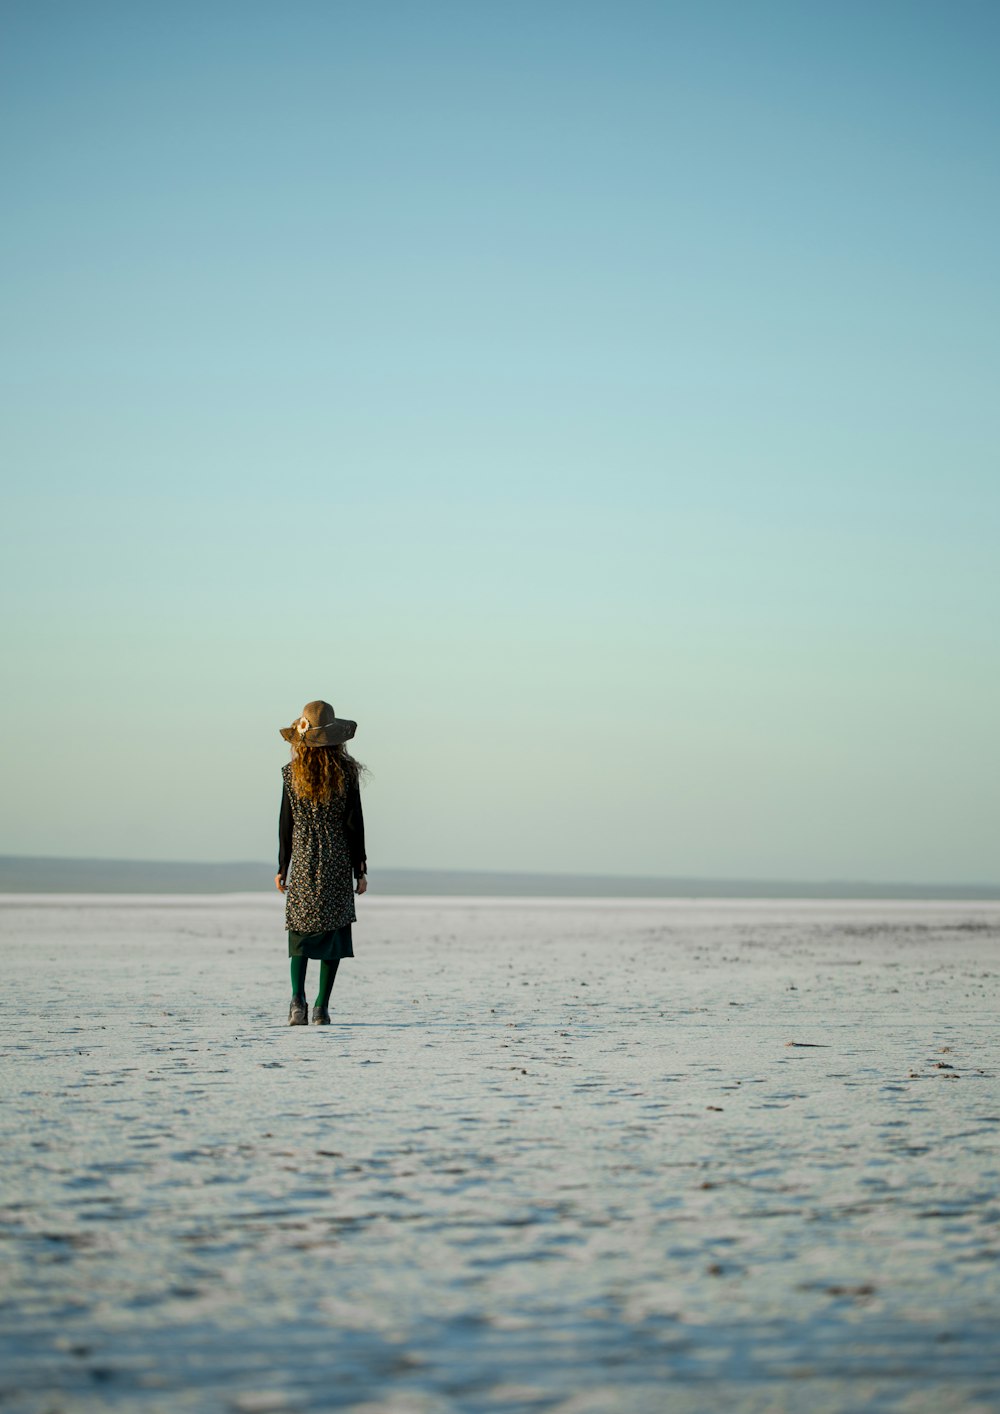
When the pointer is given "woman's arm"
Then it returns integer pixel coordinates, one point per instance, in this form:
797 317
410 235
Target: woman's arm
284 839
354 824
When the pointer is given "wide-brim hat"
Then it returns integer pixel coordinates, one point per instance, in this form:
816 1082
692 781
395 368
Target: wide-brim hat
319 725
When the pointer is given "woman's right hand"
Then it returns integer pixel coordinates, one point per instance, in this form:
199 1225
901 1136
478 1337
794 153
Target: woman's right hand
279 883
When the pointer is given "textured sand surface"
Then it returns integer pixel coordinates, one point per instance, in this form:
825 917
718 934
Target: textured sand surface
576 1156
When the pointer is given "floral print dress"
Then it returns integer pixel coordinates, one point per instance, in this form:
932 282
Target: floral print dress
320 895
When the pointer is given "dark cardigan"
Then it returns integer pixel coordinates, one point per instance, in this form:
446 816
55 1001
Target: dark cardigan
354 829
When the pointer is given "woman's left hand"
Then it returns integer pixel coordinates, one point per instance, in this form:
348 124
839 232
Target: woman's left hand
362 884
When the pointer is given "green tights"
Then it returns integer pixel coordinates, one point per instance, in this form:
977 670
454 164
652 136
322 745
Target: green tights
327 972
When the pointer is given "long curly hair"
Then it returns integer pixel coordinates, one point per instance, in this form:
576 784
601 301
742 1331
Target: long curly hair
321 772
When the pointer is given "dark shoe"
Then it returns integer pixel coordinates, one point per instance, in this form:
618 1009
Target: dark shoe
321 1017
298 1013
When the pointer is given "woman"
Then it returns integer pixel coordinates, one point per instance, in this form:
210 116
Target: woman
321 833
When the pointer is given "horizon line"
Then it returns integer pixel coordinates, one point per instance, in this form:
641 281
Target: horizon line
539 874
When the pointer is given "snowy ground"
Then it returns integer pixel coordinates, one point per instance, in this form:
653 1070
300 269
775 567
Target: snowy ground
576 1156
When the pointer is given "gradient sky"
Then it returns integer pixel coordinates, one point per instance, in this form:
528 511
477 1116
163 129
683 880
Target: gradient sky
596 401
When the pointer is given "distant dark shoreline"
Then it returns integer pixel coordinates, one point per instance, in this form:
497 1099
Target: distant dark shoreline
34 874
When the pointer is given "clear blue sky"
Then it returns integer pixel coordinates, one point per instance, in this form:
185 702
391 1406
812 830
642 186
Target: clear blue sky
598 402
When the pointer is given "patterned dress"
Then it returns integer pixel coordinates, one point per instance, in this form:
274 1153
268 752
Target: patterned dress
319 904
